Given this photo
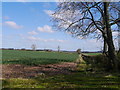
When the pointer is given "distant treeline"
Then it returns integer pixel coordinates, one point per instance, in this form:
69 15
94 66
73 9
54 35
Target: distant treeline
49 50
26 49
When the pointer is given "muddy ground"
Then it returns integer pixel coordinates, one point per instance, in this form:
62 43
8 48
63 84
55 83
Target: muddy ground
24 71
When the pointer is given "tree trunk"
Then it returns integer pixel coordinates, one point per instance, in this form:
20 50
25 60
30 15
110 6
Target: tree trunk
111 49
118 32
105 47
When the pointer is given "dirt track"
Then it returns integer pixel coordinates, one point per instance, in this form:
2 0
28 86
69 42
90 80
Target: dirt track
23 71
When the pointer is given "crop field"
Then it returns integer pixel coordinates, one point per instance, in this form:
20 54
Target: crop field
36 57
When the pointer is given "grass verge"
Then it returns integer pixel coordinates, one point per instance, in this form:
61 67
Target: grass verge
76 80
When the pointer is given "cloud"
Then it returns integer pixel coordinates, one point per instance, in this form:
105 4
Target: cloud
6 17
0 24
13 24
80 37
21 0
46 28
58 16
47 5
65 14
115 34
70 32
31 38
65 17
61 40
49 12
32 33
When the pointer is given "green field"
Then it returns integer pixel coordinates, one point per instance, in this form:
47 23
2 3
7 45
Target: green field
92 53
36 57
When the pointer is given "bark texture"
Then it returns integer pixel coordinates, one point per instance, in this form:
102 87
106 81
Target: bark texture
111 49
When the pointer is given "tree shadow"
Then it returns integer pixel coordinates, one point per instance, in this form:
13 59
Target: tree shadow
81 80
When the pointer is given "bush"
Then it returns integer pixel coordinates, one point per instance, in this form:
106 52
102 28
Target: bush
118 55
98 62
119 59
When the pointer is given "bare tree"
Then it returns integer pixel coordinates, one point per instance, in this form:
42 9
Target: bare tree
33 47
58 48
84 19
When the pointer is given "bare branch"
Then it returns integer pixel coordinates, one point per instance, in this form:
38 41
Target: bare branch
115 22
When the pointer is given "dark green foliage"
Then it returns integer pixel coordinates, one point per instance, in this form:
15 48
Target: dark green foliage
118 55
99 62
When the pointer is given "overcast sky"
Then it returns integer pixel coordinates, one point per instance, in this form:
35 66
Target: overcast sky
26 23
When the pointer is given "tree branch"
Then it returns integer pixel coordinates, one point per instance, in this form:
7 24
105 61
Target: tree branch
115 22
76 22
88 8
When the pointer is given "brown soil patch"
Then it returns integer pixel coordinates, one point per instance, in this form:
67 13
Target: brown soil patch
24 71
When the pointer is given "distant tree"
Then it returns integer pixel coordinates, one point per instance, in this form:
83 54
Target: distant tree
33 47
78 51
58 48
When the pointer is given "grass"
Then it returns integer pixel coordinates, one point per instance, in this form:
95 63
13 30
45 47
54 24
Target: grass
36 57
76 80
92 53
